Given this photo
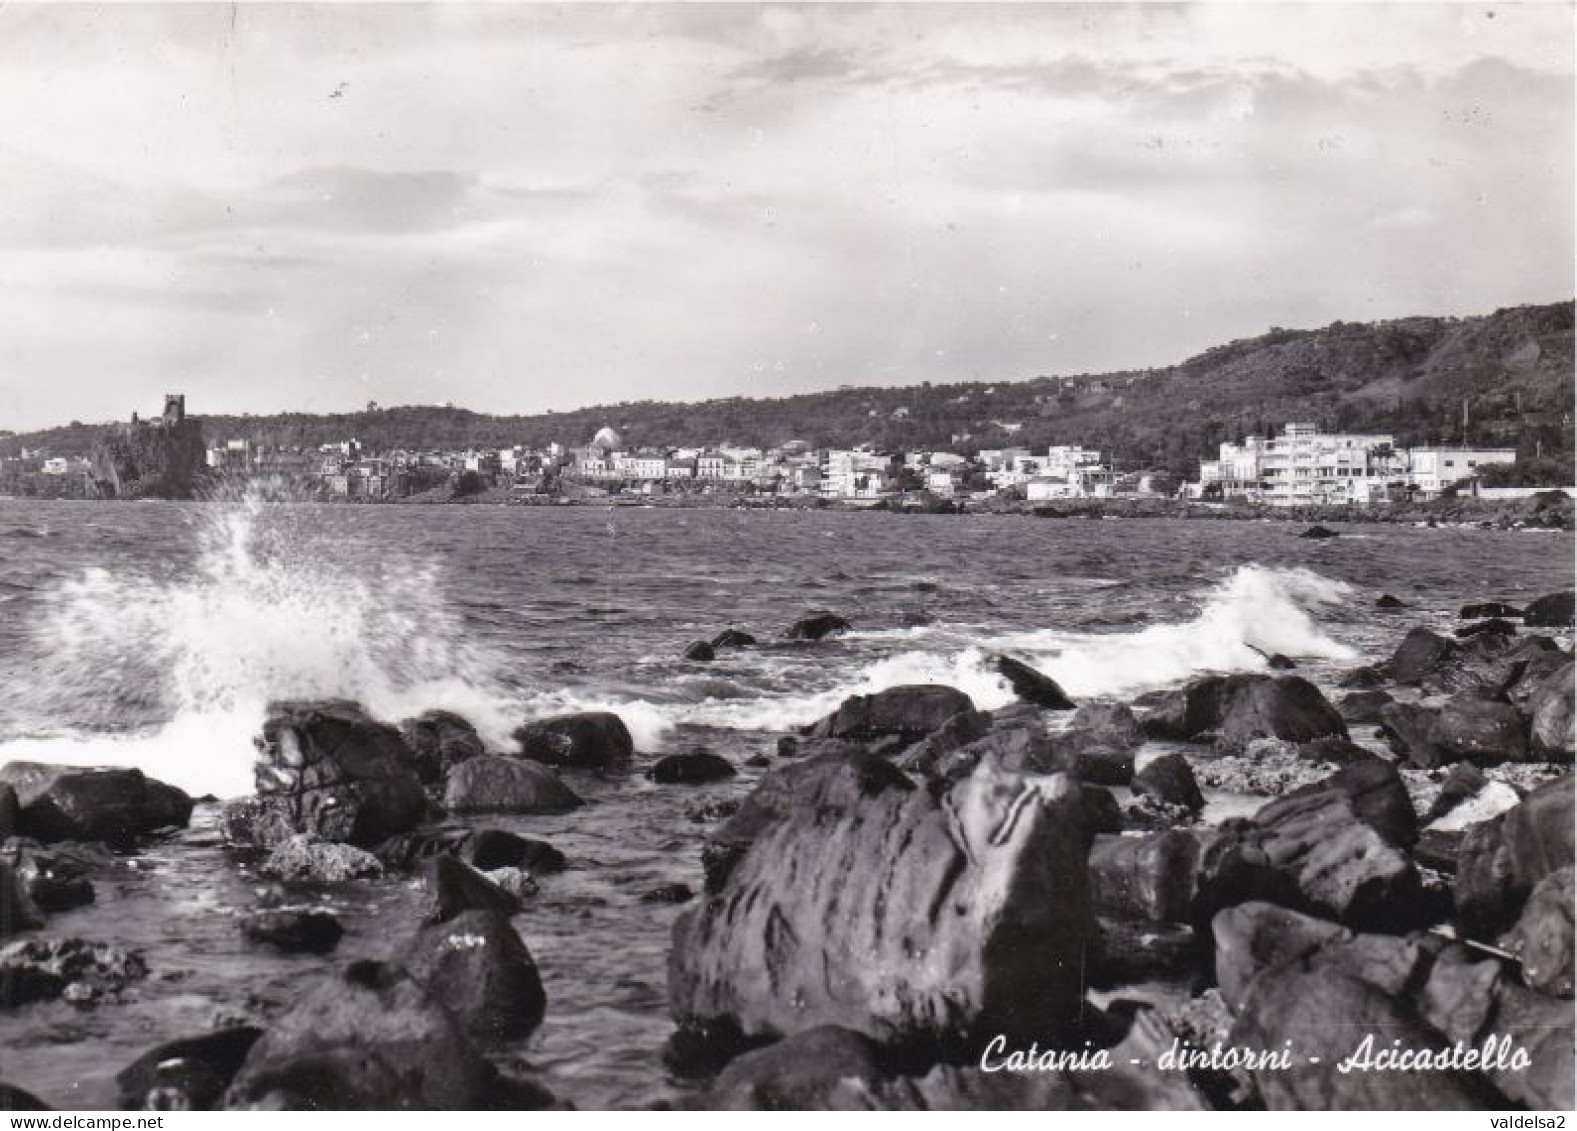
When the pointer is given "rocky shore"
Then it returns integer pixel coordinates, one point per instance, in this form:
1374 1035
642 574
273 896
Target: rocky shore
914 892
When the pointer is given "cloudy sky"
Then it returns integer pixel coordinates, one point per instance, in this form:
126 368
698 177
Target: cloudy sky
517 208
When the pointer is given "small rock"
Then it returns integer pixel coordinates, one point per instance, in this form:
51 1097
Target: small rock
733 638
1552 611
1318 532
492 784
1387 601
1168 778
1488 609
668 893
698 767
312 931
816 626
479 968
516 881
185 1075
701 651
1033 686
592 740
438 742
1494 625
453 888
304 857
81 971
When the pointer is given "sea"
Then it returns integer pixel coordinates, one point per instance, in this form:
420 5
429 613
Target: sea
155 634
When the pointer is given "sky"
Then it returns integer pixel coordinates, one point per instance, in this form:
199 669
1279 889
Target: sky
518 208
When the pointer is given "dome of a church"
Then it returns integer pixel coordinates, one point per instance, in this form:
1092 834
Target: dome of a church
607 438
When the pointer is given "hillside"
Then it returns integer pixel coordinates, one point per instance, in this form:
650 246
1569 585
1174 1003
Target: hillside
1513 368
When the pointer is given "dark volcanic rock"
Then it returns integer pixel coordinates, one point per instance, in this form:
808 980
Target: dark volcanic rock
454 888
491 784
1494 625
697 767
1101 812
1542 938
10 812
1552 611
733 638
1550 723
18 912
374 1040
1168 777
1366 678
1319 532
478 967
38 969
305 858
816 625
668 893
1286 707
1111 724
903 913
910 713
483 849
13 1098
1461 782
1488 609
590 740
798 1074
438 742
105 803
1420 653
327 769
1469 726
1504 858
186 1075
1279 663
700 650
1387 601
1145 877
1363 707
1033 686
312 931
53 879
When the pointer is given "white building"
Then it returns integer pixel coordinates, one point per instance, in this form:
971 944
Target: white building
1304 466
1431 470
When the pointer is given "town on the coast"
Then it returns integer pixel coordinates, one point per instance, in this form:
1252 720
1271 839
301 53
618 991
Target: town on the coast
1301 465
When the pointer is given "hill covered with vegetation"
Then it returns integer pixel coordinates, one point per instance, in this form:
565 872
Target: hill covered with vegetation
1504 379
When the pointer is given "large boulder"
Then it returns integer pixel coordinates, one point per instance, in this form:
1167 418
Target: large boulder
477 966
817 625
1554 610
108 803
327 769
1471 726
1420 654
372 1040
1151 877
1238 709
190 1074
439 741
1168 777
1542 938
588 740
1033 686
1503 859
905 914
1363 707
907 713
492 784
1550 723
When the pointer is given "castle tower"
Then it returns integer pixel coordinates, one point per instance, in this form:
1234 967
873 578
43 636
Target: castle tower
174 408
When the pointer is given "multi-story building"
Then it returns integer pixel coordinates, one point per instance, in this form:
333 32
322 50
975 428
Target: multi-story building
1305 466
1432 469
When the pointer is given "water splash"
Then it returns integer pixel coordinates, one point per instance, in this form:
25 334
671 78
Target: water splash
269 608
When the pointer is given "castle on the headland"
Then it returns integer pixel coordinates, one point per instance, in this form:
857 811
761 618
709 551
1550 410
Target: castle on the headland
160 458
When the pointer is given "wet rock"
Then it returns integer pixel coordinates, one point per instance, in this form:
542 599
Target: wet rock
18 912
1542 938
294 930
438 742
1502 860
1461 782
1254 937
454 888
1144 877
1187 712
957 744
10 812
1488 609
491 784
1551 611
1366 678
373 1040
1132 950
480 969
1101 812
1550 725
1286 707
1469 726
1277 662
106 803
1363 706
186 1075
733 638
325 768
483 848
54 879
668 893
1168 777
1152 814
1420 653
1033 686
798 1074
305 858
1493 625
591 740
13 1098
1319 532
39 969
1387 601
816 626
1109 724
899 912
908 713
758 761
700 651
695 767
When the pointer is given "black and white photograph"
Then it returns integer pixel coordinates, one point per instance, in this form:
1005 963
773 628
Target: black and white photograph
786 556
